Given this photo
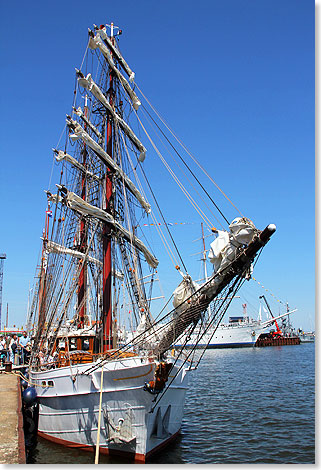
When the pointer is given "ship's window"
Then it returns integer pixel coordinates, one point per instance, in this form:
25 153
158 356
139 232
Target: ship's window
44 383
50 383
85 344
73 344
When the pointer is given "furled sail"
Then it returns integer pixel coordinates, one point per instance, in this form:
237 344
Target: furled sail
82 115
80 133
60 155
89 84
224 248
75 202
53 247
190 310
104 50
103 34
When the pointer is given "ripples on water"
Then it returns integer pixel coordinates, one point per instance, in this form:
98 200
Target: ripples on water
252 405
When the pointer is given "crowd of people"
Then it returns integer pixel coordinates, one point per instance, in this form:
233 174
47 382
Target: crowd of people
15 349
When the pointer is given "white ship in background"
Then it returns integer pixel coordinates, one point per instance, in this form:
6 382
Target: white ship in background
306 336
238 332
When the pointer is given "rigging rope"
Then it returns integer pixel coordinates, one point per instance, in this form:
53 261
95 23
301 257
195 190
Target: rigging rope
188 168
171 172
157 224
163 218
187 151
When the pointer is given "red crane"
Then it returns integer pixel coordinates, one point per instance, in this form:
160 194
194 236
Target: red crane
278 332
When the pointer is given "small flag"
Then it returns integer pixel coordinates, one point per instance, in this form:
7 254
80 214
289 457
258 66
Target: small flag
49 212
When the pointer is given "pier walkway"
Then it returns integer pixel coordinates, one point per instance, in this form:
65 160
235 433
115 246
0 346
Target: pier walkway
12 445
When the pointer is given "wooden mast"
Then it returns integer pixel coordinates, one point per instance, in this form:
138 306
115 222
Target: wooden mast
42 275
82 281
107 306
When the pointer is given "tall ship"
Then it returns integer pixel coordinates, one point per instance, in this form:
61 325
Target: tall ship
97 273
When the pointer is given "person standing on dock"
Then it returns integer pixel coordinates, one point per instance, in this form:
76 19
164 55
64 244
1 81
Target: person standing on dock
3 349
13 346
23 341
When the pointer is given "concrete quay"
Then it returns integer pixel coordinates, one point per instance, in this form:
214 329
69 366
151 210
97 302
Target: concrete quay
12 444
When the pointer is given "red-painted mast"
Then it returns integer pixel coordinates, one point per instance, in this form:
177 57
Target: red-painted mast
107 305
82 281
43 269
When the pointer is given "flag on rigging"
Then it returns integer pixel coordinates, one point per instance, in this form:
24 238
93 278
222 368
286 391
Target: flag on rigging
168 223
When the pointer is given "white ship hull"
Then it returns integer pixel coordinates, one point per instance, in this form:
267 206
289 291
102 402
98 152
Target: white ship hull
227 336
307 337
69 407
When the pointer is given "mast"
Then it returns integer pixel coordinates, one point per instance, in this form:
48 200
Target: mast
42 275
205 267
106 307
82 282
204 253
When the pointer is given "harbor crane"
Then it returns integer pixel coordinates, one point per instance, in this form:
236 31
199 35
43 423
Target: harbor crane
3 256
278 332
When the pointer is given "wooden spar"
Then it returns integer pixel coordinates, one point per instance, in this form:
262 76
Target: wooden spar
42 276
82 281
106 312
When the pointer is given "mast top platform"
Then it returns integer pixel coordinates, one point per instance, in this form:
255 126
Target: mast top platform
112 27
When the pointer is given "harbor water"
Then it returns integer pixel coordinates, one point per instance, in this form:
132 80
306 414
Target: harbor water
251 405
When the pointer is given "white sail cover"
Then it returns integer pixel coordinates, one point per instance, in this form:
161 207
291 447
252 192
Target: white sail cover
76 203
103 34
53 247
80 133
104 50
183 291
89 84
82 115
60 155
223 248
217 247
242 230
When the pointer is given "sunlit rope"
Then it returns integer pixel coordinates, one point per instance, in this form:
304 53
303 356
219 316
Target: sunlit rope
184 174
138 285
21 376
187 151
182 187
161 235
184 190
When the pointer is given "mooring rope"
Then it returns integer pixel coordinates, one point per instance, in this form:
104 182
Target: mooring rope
99 414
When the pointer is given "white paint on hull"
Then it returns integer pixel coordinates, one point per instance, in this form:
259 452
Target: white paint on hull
69 409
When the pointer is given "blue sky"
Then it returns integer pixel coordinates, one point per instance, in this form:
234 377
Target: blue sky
234 79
